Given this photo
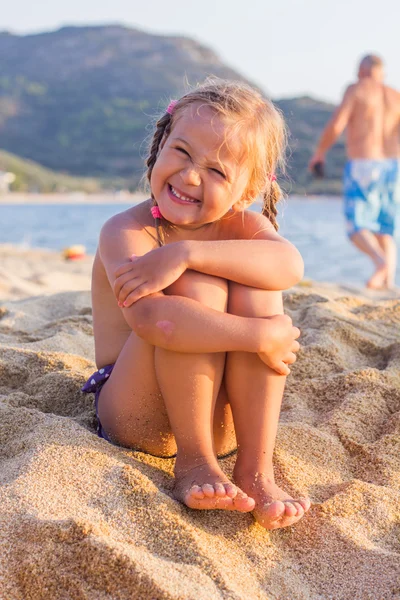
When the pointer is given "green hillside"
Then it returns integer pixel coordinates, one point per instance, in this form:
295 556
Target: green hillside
80 100
32 177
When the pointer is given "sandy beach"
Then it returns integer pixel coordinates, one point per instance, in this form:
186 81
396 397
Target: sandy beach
82 519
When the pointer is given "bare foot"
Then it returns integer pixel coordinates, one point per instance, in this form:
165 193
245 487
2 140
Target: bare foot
205 487
378 281
274 507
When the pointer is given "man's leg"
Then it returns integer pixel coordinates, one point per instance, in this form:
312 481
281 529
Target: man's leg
367 242
388 247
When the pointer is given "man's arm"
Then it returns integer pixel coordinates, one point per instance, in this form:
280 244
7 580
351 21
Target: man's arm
335 126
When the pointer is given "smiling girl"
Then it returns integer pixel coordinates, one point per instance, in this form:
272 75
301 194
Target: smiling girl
192 345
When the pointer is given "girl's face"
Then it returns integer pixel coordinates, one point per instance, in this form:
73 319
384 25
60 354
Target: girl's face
197 178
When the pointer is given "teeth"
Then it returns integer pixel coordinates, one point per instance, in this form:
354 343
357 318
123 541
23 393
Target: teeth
181 197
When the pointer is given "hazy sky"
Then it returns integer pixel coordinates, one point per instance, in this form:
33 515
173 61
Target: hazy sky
288 47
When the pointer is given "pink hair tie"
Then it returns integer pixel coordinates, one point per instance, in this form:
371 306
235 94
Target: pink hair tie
272 178
156 213
171 106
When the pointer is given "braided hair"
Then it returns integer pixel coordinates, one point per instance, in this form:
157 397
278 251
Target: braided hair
163 128
271 197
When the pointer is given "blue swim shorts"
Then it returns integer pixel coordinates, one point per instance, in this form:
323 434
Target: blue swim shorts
372 195
93 386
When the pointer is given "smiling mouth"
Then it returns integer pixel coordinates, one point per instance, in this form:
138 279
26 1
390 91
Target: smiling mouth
181 196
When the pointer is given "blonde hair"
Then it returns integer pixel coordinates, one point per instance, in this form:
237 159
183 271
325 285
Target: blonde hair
249 112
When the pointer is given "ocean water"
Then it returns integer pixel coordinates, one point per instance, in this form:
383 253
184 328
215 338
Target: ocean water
315 226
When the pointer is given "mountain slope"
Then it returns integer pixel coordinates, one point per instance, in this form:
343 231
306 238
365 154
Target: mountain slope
81 99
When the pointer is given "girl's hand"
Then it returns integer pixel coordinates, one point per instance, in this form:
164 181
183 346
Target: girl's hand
280 343
149 273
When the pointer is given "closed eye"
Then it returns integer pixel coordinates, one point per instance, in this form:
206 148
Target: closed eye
219 173
182 150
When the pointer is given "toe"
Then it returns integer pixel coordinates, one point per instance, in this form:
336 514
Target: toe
243 503
274 511
290 509
208 490
196 492
299 508
219 490
305 503
230 489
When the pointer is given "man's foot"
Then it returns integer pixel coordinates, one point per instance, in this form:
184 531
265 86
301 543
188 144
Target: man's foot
274 508
205 487
378 281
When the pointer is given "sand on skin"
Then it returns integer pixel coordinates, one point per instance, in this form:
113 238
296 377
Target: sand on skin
83 519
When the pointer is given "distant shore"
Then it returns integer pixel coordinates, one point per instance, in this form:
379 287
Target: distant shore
14 198
73 198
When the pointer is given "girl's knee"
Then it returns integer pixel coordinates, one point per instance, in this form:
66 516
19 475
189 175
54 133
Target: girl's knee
246 301
206 289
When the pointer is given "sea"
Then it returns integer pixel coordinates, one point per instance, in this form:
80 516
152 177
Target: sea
315 226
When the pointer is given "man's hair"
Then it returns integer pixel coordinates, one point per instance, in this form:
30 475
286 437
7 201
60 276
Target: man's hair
371 61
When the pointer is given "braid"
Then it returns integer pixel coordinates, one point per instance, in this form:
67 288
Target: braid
270 199
163 127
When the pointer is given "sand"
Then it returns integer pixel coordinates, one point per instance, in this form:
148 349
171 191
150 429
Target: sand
82 519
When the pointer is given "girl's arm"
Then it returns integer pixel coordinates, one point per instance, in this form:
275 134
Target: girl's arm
259 258
184 325
269 264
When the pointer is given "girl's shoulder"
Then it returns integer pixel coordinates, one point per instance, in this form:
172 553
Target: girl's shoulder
247 224
136 220
138 213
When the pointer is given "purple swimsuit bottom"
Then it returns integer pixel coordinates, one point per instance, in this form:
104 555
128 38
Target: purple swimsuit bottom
94 386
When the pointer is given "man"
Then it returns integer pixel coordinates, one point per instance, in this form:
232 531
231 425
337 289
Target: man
370 111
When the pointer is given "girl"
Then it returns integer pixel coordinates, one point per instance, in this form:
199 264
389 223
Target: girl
191 341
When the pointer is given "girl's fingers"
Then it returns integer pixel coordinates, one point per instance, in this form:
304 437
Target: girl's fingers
290 358
121 281
140 292
123 269
295 346
296 332
282 369
127 288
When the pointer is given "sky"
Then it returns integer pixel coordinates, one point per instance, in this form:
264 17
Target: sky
288 47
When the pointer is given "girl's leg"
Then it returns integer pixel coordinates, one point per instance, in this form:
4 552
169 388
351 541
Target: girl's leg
190 385
131 408
156 400
255 393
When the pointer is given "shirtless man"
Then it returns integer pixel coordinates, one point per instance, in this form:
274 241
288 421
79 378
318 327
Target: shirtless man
370 111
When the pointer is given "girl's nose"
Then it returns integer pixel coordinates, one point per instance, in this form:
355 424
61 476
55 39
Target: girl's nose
190 176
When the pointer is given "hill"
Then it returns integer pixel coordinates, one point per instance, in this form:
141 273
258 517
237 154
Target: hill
80 100
32 177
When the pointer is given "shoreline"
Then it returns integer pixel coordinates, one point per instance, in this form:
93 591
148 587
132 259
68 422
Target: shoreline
18 198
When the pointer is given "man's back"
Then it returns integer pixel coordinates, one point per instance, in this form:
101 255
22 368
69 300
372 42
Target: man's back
373 129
